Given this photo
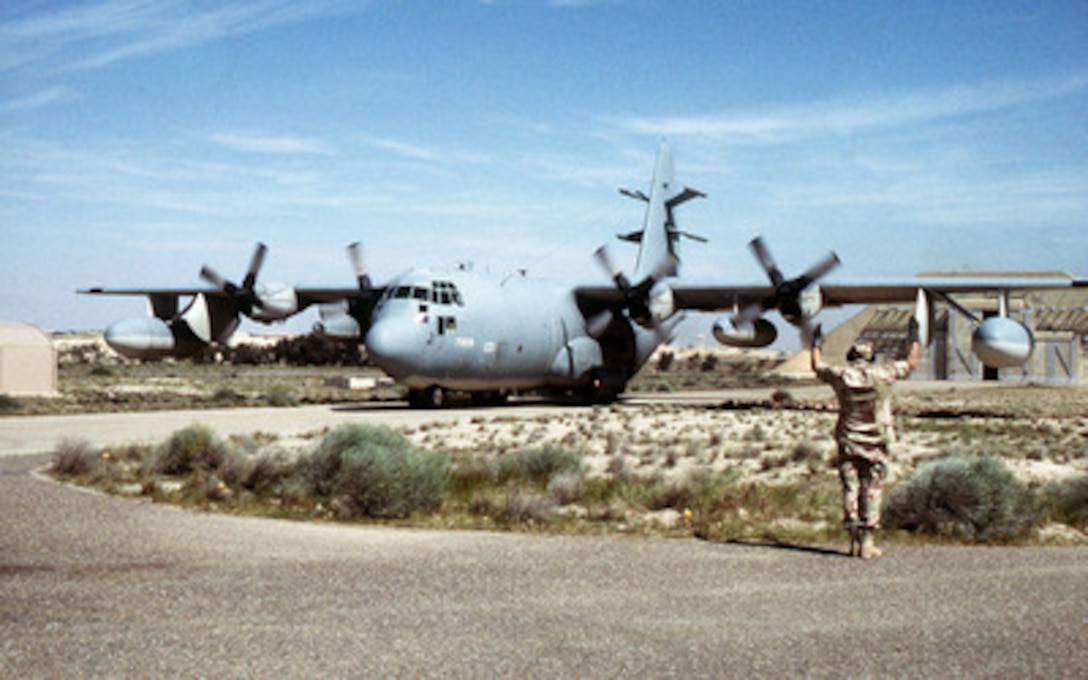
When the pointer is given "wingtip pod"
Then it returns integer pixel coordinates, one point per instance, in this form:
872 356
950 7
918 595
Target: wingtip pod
141 338
1001 342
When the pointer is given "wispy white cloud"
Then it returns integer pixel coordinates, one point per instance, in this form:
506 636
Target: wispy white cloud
271 144
38 99
412 151
854 115
101 34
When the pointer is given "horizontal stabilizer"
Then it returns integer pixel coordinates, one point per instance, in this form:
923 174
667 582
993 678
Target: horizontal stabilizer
683 197
636 236
693 237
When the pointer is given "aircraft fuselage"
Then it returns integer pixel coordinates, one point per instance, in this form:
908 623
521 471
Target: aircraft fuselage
485 333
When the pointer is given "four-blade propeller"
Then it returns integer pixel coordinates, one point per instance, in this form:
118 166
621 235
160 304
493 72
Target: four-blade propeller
636 297
786 296
361 307
244 296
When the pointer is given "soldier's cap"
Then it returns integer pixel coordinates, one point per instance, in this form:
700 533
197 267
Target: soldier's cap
860 351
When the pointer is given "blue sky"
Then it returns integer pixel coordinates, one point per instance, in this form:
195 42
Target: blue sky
140 140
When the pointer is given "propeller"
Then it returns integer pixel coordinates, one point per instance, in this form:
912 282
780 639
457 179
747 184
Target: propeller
355 253
786 297
244 296
636 297
361 306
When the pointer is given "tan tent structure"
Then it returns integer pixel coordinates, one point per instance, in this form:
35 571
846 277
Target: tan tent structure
28 363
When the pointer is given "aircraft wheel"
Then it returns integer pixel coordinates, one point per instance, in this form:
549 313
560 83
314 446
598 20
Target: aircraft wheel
598 392
434 397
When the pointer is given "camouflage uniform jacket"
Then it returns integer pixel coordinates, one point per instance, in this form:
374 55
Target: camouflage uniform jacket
865 426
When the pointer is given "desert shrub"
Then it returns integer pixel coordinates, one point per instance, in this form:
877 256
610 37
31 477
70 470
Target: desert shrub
376 472
470 476
566 487
74 457
782 398
323 466
192 449
975 498
664 361
700 490
805 451
1072 502
523 506
540 465
282 398
227 395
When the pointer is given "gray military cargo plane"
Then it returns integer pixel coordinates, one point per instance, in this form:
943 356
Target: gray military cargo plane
488 335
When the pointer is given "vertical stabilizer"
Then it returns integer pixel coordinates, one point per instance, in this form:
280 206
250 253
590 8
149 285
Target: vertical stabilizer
657 253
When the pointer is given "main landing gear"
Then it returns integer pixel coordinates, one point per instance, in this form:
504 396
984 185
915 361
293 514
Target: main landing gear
431 397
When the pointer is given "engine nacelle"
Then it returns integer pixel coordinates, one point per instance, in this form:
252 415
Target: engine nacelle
151 338
278 302
1000 342
759 333
661 302
577 358
340 327
811 301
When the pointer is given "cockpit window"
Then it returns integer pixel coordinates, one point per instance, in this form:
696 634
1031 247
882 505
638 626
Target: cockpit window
446 293
423 294
402 292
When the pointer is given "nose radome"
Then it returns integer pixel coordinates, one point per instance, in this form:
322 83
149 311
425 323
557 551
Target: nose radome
389 345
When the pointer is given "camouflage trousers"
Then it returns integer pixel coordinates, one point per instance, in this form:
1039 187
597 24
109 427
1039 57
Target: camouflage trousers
862 487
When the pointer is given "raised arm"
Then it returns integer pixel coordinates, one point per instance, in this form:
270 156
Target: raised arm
915 350
817 342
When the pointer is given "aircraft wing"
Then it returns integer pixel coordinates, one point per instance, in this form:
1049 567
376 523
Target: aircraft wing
176 292
309 295
717 296
329 295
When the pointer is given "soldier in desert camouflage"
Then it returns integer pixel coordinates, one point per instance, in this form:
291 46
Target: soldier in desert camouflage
864 431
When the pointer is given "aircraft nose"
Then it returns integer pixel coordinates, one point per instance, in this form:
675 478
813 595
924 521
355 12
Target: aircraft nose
389 345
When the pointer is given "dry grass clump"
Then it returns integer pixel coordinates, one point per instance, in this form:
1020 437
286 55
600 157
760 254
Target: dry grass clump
75 458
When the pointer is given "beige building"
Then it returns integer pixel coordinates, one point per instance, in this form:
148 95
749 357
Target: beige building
28 363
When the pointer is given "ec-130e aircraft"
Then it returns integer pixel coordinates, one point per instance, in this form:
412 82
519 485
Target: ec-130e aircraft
489 335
